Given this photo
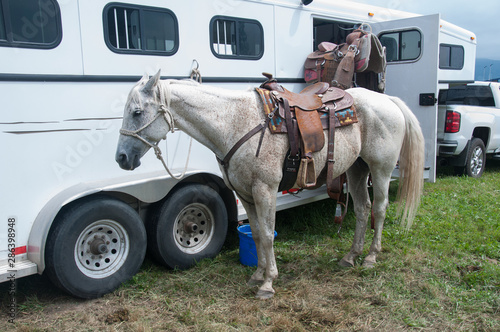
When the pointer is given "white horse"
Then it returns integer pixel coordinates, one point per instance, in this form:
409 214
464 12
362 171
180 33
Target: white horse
387 131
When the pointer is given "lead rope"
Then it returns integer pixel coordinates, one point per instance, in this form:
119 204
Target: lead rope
196 76
165 96
158 154
195 72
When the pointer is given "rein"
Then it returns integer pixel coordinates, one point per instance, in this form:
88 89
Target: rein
261 127
225 162
164 112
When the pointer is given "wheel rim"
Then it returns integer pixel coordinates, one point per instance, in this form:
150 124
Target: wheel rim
476 162
194 228
102 249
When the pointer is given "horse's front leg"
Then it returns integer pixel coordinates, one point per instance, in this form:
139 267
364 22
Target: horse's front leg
265 206
258 276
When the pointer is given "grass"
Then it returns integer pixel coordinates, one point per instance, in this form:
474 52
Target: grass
441 275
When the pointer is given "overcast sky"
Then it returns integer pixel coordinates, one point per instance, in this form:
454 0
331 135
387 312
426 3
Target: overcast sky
482 17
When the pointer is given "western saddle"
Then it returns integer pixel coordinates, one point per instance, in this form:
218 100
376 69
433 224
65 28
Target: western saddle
360 61
304 116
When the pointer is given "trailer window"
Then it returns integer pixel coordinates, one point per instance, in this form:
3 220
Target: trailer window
402 45
236 38
451 56
140 30
30 23
330 31
3 35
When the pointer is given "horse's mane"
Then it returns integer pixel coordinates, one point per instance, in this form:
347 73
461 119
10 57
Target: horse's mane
161 94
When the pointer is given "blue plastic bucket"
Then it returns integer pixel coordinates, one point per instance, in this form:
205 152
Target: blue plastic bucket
248 252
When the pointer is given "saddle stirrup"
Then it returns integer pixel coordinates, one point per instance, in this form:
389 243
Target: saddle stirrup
306 177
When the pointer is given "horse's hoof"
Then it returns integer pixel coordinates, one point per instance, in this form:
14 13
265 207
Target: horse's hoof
253 282
345 263
368 264
264 294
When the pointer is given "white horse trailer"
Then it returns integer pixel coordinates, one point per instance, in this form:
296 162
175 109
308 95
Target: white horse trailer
68 66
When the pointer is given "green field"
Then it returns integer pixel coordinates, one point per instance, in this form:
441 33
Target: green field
441 275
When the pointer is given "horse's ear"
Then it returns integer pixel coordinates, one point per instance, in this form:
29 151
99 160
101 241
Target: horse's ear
153 81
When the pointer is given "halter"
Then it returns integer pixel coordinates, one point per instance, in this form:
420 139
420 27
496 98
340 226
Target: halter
164 112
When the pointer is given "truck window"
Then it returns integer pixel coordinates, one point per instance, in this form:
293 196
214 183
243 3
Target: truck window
236 38
451 56
402 45
30 23
472 95
140 29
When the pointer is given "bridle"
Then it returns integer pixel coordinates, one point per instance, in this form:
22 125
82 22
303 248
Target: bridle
164 112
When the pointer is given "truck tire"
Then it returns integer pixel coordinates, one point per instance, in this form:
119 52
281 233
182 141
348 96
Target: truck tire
476 158
190 225
94 246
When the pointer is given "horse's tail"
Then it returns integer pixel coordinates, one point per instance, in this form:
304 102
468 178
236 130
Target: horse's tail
411 166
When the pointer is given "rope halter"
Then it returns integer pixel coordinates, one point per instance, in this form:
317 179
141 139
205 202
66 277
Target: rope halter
164 112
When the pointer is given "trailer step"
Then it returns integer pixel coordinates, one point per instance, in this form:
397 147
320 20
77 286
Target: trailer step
21 269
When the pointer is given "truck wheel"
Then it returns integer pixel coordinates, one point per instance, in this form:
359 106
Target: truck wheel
94 246
476 158
190 225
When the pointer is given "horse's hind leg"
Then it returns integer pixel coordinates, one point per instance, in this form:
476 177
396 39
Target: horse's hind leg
357 177
381 180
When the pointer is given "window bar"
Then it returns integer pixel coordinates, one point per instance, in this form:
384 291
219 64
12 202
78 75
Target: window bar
41 26
116 30
218 37
126 28
225 38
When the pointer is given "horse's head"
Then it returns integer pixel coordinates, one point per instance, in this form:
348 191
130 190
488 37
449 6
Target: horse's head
146 120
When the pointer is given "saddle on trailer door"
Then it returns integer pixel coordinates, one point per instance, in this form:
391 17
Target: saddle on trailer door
357 62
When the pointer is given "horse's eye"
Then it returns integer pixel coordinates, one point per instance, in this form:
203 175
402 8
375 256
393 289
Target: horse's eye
137 112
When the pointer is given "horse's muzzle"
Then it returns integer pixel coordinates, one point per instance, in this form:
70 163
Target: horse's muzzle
127 162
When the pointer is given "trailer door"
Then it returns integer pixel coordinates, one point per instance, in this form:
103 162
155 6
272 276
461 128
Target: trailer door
412 73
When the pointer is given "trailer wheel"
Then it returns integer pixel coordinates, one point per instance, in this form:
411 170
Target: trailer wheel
95 245
476 158
189 226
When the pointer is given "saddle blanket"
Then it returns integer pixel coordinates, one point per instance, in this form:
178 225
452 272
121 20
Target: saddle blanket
343 117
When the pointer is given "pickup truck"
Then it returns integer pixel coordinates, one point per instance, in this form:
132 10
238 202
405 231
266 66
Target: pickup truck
468 126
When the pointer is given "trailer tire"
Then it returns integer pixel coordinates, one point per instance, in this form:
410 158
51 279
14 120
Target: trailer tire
190 225
94 246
